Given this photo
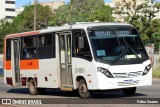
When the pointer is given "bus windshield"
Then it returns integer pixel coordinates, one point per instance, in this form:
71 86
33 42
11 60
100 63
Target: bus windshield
117 46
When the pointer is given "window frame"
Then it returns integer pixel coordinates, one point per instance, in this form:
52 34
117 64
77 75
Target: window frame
74 54
8 59
52 46
22 47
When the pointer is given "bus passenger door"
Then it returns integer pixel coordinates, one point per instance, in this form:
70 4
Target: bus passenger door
65 60
15 61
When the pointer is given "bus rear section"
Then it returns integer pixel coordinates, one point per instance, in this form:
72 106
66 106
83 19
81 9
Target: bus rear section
26 55
38 60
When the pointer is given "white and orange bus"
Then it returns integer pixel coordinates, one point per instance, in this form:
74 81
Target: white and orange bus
84 56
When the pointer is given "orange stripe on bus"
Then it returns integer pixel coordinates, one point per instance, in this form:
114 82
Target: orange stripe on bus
8 65
22 34
29 64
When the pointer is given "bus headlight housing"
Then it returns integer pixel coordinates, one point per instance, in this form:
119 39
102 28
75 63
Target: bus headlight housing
106 72
146 70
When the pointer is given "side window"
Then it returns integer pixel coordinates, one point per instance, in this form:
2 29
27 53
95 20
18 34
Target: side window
80 45
45 39
8 49
45 47
29 47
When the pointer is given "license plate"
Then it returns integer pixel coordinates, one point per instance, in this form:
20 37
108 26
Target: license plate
128 81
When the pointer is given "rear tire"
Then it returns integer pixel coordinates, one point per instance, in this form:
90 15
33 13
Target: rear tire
32 87
129 91
83 90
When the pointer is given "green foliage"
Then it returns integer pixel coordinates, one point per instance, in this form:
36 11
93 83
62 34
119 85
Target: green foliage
24 21
82 11
76 11
6 28
1 75
156 72
141 16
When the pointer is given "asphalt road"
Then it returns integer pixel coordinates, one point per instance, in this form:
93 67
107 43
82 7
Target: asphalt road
60 97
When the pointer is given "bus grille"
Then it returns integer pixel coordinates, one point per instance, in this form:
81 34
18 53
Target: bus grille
127 75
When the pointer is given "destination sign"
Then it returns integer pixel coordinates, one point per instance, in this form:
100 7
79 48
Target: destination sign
108 33
125 32
103 33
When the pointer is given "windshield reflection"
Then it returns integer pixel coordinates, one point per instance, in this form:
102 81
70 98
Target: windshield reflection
117 46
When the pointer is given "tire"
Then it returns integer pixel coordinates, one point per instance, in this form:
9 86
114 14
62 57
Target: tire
41 91
83 90
129 91
32 88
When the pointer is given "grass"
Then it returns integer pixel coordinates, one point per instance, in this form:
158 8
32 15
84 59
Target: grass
1 75
156 73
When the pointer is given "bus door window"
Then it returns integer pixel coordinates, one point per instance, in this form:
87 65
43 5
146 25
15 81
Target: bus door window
8 49
81 45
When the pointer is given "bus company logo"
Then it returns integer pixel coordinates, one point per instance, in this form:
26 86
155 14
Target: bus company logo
6 101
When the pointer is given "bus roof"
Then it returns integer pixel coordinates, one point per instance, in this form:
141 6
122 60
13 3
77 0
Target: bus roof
78 25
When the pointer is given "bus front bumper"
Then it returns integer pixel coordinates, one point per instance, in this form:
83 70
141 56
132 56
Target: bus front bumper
104 83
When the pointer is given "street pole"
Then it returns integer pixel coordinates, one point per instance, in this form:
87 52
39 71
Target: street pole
35 11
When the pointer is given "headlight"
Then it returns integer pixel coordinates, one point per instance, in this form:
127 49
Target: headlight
146 70
105 72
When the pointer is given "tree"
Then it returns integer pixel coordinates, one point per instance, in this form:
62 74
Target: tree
5 29
139 15
24 21
155 36
82 11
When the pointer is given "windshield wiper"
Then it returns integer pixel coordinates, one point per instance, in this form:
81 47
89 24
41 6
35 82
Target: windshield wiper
120 56
133 51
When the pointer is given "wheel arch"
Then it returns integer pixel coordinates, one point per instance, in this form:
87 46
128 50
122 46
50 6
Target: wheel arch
78 78
31 78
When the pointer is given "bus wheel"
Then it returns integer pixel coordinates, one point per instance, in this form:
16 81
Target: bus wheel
129 91
32 88
41 91
83 90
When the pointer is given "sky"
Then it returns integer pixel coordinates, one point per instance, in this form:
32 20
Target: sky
20 3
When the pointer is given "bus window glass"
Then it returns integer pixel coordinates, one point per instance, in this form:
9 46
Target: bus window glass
29 47
81 45
117 45
45 47
8 49
29 42
44 39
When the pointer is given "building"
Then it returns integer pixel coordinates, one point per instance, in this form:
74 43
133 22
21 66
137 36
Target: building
7 9
19 10
53 4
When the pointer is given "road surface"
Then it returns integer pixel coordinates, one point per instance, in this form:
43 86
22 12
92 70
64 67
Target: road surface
102 98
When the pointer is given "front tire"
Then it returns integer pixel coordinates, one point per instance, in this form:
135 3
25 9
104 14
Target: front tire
83 90
129 91
32 87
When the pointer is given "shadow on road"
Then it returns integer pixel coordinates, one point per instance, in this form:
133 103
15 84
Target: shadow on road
51 92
